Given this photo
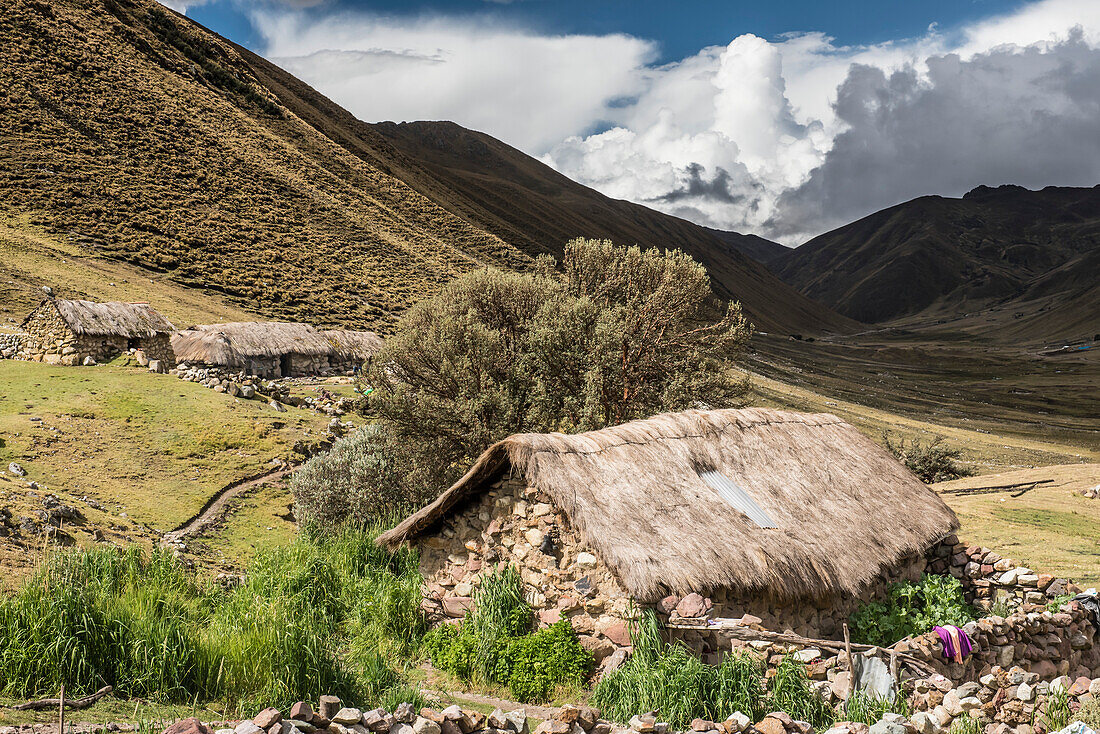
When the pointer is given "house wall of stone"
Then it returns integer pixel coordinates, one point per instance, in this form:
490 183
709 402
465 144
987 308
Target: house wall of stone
158 347
48 338
10 345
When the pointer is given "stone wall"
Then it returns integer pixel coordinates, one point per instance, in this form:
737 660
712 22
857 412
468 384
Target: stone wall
512 523
1048 643
1005 701
10 345
158 348
992 582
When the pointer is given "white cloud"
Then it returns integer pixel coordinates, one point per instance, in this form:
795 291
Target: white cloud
790 138
784 138
530 90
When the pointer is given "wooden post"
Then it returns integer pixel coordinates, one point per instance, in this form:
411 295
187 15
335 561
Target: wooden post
851 666
61 712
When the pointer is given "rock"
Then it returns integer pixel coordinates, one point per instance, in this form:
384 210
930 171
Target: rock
377 720
1094 688
306 727
553 726
517 721
888 727
771 725
549 616
457 606
218 731
1080 686
615 660
247 727
425 726
644 724
618 633
248 392
405 714
1008 578
807 655
668 604
923 722
1025 692
347 716
277 406
692 605
737 723
189 726
497 719
400 728
17 470
702 725
301 711
89 361
586 560
267 718
839 684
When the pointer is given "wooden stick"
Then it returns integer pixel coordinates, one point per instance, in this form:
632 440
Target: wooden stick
72 704
851 666
61 712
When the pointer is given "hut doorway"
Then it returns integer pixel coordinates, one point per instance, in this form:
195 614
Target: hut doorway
285 362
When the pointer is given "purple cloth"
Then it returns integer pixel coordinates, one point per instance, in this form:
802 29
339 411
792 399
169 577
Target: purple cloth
949 650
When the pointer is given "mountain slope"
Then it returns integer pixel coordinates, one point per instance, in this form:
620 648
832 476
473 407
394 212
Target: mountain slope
138 135
1033 254
756 247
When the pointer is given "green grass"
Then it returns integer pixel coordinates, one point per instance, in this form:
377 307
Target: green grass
151 446
337 615
674 682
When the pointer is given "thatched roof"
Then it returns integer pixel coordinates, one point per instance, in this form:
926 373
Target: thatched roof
114 318
234 343
844 508
354 345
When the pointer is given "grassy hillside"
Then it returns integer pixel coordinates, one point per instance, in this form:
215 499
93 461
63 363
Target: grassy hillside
137 135
31 258
1051 527
147 446
1022 262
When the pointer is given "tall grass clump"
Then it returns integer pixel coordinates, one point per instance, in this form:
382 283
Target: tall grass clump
789 690
669 679
312 617
869 709
87 618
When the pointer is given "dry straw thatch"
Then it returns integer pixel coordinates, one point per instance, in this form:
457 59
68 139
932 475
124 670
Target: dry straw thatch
233 344
846 510
114 318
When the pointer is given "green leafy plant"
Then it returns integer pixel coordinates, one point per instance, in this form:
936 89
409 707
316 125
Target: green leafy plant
932 461
911 609
493 644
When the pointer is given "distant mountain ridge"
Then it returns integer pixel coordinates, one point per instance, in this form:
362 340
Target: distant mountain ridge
144 137
1034 253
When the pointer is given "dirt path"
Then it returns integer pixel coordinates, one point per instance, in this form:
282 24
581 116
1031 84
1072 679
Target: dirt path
217 506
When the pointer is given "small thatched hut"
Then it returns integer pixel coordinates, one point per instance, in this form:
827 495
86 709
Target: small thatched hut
790 517
273 349
68 332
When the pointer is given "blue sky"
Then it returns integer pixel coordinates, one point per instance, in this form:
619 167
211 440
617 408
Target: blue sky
783 118
680 28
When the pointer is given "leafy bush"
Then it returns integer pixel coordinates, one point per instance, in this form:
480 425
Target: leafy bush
670 679
532 666
153 630
931 462
493 646
911 609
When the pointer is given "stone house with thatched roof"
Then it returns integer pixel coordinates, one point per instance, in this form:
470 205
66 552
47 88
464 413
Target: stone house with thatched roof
790 518
68 332
274 349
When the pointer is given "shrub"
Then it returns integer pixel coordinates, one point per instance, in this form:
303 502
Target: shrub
1089 713
365 478
931 462
532 666
614 334
911 609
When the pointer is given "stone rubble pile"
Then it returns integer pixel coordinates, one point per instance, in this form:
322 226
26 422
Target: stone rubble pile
275 392
1091 493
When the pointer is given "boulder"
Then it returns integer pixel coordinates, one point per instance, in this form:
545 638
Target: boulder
693 605
643 724
457 606
301 711
517 721
189 726
421 725
736 723
347 716
404 713
267 718
247 727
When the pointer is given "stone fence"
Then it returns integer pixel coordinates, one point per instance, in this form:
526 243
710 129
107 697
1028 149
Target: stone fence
10 344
